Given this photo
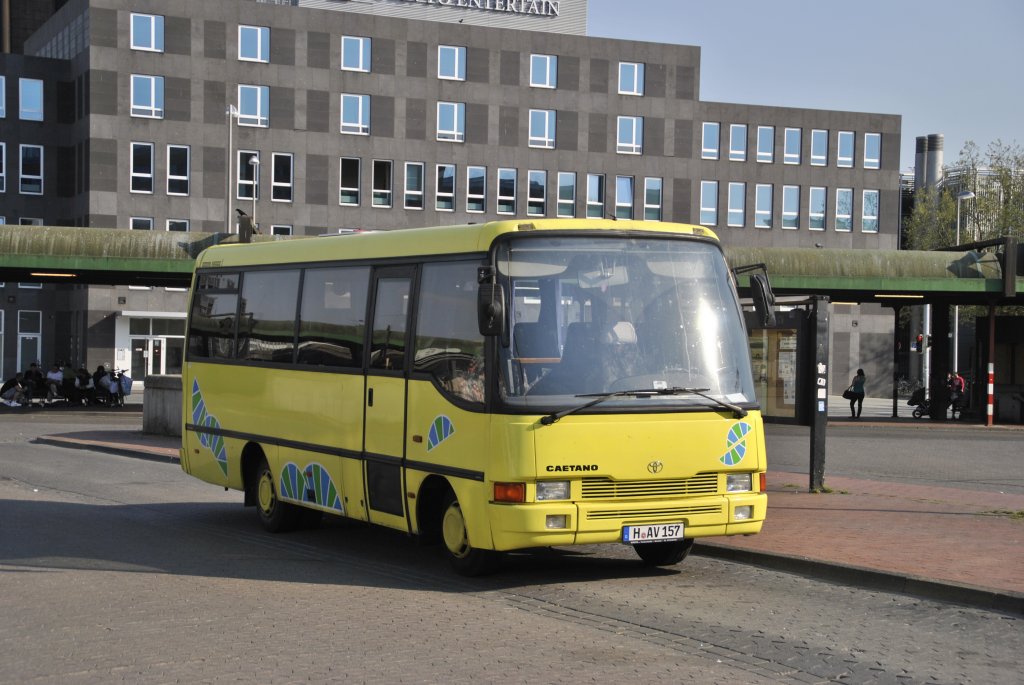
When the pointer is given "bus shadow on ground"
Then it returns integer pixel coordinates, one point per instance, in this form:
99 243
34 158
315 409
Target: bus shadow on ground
226 541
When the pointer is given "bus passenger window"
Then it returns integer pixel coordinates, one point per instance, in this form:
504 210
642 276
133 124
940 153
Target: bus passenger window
449 346
267 318
212 323
333 313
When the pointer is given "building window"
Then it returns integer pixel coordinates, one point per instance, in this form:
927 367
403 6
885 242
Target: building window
3 96
737 204
248 175
451 62
30 221
763 205
355 114
444 191
348 182
630 140
543 71
254 106
414 185
451 121
542 128
280 229
791 206
709 203
476 189
709 140
631 78
282 177
791 147
177 225
844 209
254 43
816 207
3 167
147 32
869 213
819 147
142 223
623 197
766 144
872 150
355 53
566 207
30 99
178 169
141 167
653 199
537 193
147 96
506 191
381 191
595 196
844 158
30 169
738 142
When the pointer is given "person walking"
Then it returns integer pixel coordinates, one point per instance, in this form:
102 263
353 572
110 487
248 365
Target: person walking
857 389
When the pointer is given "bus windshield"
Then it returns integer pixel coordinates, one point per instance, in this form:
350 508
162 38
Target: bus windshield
590 315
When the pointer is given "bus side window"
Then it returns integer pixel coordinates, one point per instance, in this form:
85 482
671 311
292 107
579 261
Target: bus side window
212 323
448 342
332 317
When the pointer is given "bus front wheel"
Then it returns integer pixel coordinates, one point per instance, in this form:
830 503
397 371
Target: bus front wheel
275 515
465 559
664 553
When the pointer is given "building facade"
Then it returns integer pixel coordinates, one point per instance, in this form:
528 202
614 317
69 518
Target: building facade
319 116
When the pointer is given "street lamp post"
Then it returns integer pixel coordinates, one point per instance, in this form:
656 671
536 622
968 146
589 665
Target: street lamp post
230 113
961 196
255 162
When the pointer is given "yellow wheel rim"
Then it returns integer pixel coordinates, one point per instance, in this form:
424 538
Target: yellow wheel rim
453 528
265 493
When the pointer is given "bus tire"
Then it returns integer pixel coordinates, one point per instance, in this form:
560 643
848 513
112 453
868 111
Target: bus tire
465 559
275 515
664 553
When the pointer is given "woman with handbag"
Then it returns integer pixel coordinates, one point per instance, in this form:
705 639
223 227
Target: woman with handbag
855 393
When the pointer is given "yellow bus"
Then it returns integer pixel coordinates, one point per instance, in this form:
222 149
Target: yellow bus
491 387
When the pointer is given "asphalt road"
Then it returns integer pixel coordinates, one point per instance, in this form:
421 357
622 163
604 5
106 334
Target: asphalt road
121 569
948 454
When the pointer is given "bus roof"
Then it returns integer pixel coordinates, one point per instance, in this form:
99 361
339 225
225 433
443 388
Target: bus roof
438 240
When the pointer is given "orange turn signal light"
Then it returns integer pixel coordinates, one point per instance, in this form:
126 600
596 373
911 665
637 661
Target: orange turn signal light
763 482
510 492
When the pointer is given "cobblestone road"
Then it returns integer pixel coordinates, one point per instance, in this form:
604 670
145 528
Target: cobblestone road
117 569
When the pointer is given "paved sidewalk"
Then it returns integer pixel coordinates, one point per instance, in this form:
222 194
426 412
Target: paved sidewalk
964 546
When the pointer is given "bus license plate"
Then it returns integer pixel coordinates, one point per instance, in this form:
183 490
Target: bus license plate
665 531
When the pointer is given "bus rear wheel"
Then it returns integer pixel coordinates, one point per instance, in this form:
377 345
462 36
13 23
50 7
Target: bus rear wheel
664 553
465 559
275 515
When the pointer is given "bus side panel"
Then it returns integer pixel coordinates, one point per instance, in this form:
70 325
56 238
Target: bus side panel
310 413
453 442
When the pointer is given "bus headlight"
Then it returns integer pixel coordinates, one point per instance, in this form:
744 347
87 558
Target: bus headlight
552 489
744 513
738 482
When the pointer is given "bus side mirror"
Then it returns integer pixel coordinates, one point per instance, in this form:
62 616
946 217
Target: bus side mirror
490 311
764 299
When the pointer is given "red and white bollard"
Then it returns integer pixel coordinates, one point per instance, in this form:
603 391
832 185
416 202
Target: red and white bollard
991 393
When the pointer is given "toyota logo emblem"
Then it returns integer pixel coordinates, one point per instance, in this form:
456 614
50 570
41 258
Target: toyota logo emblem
655 467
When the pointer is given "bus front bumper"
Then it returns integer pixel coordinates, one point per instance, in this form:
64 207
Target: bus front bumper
548 524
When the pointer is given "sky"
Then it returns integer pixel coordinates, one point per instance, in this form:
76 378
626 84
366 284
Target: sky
949 67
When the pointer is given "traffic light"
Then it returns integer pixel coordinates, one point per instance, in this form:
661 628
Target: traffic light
923 342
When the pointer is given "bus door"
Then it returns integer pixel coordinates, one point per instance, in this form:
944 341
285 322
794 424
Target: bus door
385 397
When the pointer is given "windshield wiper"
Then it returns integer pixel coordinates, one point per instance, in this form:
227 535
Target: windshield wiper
738 411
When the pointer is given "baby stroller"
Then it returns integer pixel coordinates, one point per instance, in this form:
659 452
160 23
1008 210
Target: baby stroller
919 402
922 405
